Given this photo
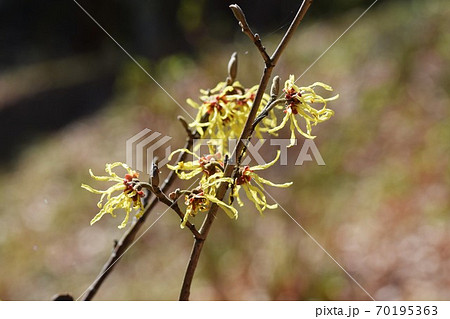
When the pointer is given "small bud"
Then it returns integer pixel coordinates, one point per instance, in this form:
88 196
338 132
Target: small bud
225 160
275 88
155 173
239 14
173 196
232 67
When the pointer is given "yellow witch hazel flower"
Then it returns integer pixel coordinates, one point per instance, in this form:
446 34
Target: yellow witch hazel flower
298 102
255 193
226 108
200 199
128 198
211 167
196 202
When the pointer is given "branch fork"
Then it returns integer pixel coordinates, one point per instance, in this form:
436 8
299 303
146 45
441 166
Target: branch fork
240 16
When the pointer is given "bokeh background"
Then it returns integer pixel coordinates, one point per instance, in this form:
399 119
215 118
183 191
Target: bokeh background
70 98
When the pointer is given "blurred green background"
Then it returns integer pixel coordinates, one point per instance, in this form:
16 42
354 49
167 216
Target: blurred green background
70 98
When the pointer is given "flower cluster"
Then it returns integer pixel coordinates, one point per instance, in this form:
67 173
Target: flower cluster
211 168
127 197
199 200
255 193
224 111
222 114
210 165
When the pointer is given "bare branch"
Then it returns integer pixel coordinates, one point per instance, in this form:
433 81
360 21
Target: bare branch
128 238
266 111
290 32
240 16
190 271
171 204
245 135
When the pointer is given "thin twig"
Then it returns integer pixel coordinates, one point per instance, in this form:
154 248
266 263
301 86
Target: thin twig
121 246
240 16
274 91
128 238
240 147
265 112
154 188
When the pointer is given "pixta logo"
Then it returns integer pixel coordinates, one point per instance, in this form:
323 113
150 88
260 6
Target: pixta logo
307 152
141 149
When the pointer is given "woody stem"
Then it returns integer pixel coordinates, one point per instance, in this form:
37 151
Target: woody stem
247 132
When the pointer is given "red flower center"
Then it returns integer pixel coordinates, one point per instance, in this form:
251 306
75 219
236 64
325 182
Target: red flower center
215 103
196 200
210 169
292 100
244 178
128 182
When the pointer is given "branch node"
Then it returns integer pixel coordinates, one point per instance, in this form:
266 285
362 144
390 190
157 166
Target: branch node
175 194
240 16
